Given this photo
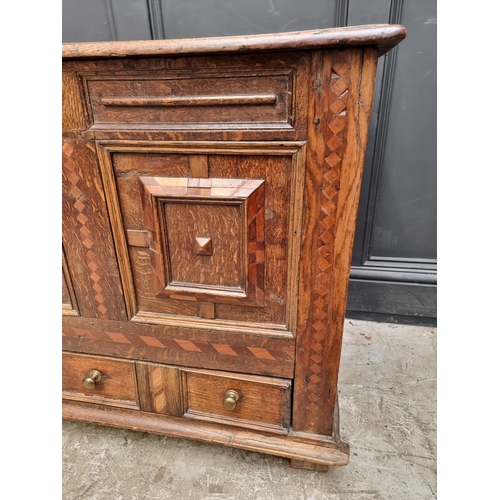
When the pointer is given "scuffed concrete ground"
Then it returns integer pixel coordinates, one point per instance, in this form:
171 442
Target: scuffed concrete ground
388 416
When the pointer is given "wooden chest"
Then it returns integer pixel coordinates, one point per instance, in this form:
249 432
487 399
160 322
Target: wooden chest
210 190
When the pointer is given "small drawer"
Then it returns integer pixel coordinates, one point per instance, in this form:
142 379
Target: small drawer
114 380
243 400
168 101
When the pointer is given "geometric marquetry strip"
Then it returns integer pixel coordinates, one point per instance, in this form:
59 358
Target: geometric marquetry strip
261 353
224 349
187 345
172 187
87 239
151 341
83 333
334 149
256 246
172 344
118 337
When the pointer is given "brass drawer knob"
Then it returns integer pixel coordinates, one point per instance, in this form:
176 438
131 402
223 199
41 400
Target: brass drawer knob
90 380
230 399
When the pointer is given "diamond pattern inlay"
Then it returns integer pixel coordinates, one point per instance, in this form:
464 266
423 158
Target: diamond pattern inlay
337 96
194 346
71 172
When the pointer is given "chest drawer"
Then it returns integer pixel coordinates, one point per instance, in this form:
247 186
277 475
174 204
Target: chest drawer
248 401
99 380
166 100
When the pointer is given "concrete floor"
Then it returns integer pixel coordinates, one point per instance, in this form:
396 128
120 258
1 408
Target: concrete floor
388 416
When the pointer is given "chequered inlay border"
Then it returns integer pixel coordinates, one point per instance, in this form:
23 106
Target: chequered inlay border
193 346
334 150
71 171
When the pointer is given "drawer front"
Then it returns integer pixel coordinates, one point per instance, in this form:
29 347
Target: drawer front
257 402
117 384
169 101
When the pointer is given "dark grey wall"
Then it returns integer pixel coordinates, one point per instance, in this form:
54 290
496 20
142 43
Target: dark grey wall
394 259
93 20
395 254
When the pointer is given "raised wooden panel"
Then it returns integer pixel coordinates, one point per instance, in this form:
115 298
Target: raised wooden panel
170 100
206 237
117 386
246 216
195 264
263 403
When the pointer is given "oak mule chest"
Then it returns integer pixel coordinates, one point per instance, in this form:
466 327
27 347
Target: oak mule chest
210 191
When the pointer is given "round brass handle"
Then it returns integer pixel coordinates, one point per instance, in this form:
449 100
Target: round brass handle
230 399
90 380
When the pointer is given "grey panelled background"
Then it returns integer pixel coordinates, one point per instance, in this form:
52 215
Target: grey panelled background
393 274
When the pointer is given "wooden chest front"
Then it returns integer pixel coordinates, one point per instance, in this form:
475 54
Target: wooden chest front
209 203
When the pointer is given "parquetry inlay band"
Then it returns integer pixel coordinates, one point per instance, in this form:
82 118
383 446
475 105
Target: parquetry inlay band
339 84
180 344
87 238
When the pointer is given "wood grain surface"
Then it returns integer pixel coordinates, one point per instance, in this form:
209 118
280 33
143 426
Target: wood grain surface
263 403
86 234
69 304
272 257
202 345
188 280
338 134
159 389
117 387
381 36
222 99
310 449
74 116
179 123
